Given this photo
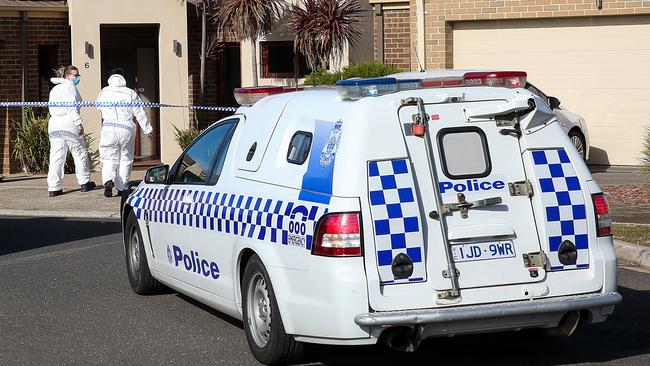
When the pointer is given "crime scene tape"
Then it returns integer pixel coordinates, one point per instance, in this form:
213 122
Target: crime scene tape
96 104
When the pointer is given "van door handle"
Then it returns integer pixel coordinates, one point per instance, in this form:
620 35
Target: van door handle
463 206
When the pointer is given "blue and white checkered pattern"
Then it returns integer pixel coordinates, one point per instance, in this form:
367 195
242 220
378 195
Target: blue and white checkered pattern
396 218
565 213
253 217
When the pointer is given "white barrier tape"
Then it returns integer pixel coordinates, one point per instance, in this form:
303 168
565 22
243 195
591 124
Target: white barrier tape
97 104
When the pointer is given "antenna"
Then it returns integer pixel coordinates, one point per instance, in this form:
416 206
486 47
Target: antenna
417 57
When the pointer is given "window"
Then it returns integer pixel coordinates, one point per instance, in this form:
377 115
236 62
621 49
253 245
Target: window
278 60
299 147
195 164
464 152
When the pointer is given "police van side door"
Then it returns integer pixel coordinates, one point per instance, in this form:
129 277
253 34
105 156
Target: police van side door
472 162
183 210
216 233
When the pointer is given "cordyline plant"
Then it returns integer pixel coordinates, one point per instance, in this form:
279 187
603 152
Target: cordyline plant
248 19
322 28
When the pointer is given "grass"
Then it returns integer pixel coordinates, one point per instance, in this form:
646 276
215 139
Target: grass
637 234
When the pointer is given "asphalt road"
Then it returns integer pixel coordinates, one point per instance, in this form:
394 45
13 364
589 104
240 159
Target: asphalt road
65 299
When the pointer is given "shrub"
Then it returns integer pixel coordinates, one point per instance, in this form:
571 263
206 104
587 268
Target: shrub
185 137
371 69
32 145
645 152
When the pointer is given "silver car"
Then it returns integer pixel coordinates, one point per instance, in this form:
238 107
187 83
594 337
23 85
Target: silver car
573 124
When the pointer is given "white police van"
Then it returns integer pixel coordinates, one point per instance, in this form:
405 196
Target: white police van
381 211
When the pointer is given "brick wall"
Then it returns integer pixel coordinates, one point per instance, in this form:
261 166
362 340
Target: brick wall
440 15
40 32
397 44
214 93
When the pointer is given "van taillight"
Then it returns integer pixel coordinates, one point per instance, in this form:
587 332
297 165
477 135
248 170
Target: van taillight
603 219
338 235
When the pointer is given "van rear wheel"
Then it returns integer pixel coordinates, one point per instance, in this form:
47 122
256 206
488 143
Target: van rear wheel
265 333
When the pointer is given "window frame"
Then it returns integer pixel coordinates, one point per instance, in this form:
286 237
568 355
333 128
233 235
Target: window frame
209 181
311 140
264 64
486 151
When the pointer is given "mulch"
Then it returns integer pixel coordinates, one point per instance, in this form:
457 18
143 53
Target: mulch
630 194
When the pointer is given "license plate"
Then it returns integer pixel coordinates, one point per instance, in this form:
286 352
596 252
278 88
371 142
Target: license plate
483 251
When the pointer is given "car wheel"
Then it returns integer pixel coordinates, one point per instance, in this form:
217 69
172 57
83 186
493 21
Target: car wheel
142 282
262 322
579 142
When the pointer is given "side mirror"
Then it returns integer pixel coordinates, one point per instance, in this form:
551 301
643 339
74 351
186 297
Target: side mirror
553 102
157 174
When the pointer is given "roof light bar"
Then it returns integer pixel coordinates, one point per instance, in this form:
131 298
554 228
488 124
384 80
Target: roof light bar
354 89
443 82
409 84
506 79
248 96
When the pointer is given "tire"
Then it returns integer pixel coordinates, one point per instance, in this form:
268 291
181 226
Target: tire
137 267
579 142
265 333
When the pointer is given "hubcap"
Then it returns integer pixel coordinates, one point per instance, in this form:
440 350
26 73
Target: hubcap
258 307
134 252
577 142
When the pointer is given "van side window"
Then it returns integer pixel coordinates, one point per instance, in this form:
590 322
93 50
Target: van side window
299 147
464 152
196 163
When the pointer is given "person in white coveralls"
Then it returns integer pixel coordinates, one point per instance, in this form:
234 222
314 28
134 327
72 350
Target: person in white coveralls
66 132
117 143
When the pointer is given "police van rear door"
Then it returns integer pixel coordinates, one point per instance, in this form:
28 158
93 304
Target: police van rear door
471 164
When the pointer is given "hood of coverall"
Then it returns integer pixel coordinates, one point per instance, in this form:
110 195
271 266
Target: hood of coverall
116 81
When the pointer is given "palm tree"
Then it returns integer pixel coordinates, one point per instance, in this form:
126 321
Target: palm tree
249 20
322 28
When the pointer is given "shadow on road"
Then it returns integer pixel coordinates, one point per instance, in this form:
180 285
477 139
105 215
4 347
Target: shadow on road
18 234
623 335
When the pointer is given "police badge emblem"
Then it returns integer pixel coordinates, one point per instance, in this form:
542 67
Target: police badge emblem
328 153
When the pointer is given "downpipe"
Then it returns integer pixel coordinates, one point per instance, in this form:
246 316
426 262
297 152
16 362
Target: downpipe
402 339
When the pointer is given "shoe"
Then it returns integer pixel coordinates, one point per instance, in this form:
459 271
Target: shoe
88 186
56 193
108 189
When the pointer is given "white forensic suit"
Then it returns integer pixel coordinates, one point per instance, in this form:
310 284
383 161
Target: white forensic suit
117 143
63 128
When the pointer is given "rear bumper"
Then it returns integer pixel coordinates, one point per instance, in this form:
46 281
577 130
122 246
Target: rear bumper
490 317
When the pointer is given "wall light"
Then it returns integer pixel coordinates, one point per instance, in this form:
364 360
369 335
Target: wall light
89 50
177 48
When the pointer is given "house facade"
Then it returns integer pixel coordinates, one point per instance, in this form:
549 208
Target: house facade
155 44
591 54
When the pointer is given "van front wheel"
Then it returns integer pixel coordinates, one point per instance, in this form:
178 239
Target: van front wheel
140 278
265 334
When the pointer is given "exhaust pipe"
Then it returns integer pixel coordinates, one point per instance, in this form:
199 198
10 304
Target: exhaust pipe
403 339
566 327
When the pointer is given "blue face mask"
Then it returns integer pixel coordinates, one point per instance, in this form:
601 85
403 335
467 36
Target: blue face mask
76 80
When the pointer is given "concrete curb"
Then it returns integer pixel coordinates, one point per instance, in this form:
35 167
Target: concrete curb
63 214
634 254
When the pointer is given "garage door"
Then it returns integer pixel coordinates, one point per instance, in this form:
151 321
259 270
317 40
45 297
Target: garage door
598 67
